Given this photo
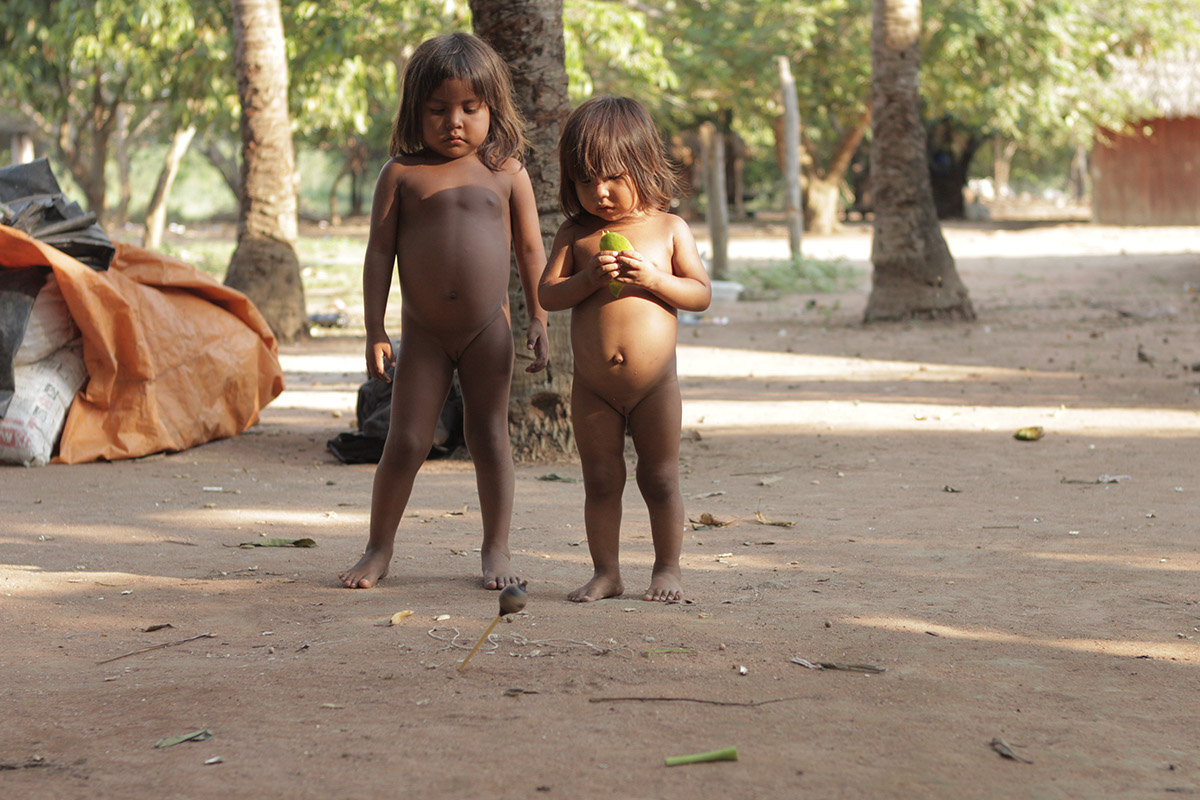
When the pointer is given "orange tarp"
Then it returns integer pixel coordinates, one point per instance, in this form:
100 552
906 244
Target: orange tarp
174 358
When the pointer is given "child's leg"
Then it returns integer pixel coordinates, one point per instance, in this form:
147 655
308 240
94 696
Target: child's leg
600 437
655 425
419 389
485 375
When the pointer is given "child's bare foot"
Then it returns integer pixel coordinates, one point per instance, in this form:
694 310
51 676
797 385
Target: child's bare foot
368 571
665 586
498 571
598 588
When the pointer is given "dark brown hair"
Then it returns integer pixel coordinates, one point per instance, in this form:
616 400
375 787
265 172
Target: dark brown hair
467 58
614 136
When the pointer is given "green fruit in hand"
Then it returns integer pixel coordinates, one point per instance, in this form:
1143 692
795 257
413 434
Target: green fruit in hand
614 241
617 243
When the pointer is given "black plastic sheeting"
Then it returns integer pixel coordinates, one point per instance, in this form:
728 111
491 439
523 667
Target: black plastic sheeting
32 202
18 289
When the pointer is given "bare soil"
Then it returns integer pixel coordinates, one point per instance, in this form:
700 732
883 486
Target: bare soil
874 509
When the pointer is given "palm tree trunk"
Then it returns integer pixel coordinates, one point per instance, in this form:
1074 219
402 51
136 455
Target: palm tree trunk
264 265
914 273
528 35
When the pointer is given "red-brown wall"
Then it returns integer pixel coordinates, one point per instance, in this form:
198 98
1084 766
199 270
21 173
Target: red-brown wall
1151 179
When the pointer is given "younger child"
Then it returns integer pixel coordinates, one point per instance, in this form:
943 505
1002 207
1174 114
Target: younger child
450 206
616 177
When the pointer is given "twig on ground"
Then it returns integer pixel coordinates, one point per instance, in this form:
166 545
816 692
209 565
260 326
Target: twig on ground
158 647
751 704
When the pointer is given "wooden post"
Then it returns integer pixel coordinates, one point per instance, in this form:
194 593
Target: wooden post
791 157
22 148
716 205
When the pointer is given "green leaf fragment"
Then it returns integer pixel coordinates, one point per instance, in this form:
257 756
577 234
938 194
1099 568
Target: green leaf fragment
724 754
195 736
657 650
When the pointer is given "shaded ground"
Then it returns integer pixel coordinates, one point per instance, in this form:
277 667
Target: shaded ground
1042 593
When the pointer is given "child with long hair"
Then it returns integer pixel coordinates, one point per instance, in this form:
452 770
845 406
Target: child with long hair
450 206
625 302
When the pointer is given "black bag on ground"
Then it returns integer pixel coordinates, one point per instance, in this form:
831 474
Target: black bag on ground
374 414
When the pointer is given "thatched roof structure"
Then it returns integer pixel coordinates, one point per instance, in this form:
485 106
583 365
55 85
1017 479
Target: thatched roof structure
1167 87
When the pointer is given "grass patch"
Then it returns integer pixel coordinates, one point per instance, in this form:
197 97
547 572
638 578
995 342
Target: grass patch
210 256
800 275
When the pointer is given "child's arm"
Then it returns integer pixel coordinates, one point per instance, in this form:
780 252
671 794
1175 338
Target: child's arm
685 285
564 285
378 264
531 260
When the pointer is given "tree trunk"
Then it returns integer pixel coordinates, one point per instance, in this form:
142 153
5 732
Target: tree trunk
264 266
22 148
1078 180
528 35
121 156
791 157
952 147
354 163
823 208
156 212
914 273
1003 151
716 207
226 165
83 143
823 194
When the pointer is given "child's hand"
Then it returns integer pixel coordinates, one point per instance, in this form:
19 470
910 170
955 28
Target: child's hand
537 341
605 268
635 270
379 356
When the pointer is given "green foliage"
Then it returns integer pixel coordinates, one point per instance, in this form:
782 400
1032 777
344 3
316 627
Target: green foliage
610 48
1034 70
795 276
209 255
1030 70
345 56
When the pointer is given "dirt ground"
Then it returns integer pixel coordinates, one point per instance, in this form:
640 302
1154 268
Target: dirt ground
1042 596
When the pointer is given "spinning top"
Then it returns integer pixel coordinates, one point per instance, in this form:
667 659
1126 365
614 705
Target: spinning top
512 600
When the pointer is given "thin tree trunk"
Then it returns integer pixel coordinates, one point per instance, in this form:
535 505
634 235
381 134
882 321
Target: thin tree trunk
716 207
156 211
824 191
1003 151
528 35
914 273
22 148
226 165
791 157
121 156
264 265
335 216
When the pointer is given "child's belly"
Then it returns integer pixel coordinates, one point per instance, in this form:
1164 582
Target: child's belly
453 259
623 349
